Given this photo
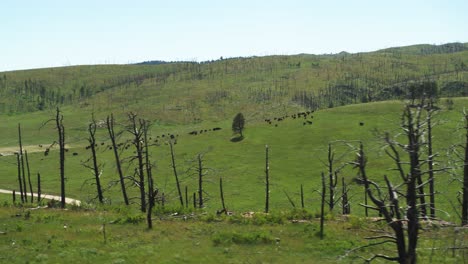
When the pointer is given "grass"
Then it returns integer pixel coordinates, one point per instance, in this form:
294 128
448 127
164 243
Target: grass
94 236
297 153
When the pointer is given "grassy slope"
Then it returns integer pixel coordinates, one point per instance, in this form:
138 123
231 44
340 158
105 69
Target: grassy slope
297 153
52 236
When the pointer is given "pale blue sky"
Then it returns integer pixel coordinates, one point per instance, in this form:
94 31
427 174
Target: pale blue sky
51 33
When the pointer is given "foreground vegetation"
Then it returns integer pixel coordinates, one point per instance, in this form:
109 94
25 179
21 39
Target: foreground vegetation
118 235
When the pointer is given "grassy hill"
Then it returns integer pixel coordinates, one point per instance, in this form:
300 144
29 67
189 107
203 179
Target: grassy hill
351 98
187 92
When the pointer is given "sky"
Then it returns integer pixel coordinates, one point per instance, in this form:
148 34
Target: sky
51 33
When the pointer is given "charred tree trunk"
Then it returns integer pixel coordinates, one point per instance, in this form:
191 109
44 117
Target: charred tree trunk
186 197
110 129
39 191
465 177
222 195
29 176
332 177
92 144
267 181
174 169
430 160
23 174
302 197
61 142
200 181
322 205
136 130
20 181
152 192
344 198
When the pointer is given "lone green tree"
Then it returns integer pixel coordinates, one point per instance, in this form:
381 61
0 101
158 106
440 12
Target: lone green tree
238 124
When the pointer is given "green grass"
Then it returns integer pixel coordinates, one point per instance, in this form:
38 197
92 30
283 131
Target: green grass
297 153
50 236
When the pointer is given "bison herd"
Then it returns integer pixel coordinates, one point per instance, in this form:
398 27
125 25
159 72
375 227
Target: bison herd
299 115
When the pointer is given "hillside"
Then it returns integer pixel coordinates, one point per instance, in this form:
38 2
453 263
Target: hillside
187 92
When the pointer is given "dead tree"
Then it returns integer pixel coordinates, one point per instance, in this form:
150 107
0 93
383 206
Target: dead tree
23 174
405 238
110 129
39 191
332 177
431 110
221 193
152 191
95 167
302 197
200 181
322 205
174 169
61 143
267 181
136 129
29 176
346 206
465 175
20 181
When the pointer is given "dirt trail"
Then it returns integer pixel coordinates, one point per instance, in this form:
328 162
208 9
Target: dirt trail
7 151
48 196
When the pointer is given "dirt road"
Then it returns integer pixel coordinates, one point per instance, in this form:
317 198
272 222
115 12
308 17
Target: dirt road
49 197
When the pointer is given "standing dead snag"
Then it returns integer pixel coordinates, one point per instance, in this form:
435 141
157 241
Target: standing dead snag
110 129
23 174
332 177
431 109
410 174
152 191
18 163
390 212
174 169
200 181
465 176
222 196
61 142
136 128
322 205
346 206
267 181
92 143
29 176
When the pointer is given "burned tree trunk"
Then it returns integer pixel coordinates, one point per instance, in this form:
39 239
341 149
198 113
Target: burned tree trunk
430 161
174 169
29 176
222 195
39 191
465 177
152 192
346 208
110 129
18 162
23 174
267 181
61 142
322 205
302 197
332 177
136 129
92 143
200 181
